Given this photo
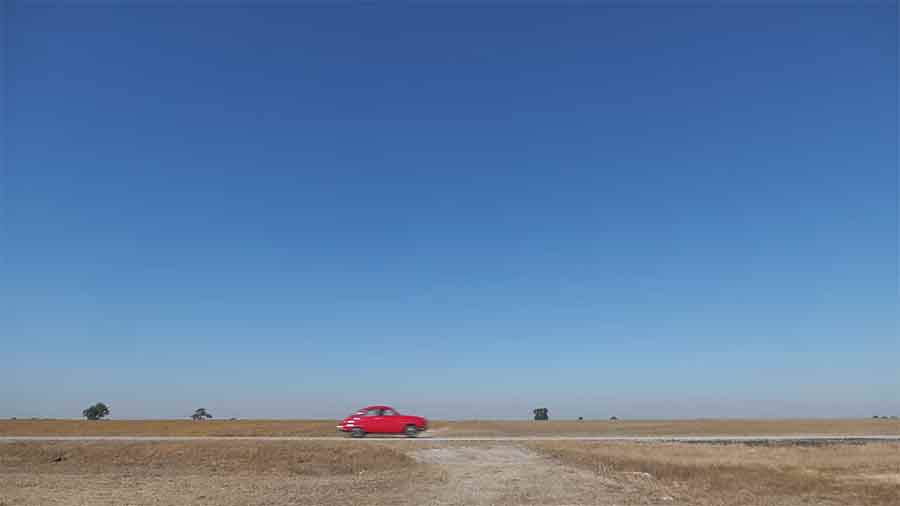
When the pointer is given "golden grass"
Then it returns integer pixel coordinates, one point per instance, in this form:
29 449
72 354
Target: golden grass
719 475
309 458
223 428
466 428
711 427
208 473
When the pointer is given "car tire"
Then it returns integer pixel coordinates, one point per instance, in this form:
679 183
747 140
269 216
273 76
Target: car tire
357 432
411 431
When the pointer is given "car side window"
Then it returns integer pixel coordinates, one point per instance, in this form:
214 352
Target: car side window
389 412
373 412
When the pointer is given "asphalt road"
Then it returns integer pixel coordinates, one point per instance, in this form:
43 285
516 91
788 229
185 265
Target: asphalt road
799 438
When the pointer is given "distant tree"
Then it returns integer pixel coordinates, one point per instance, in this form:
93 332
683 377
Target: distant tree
200 414
541 414
96 412
613 418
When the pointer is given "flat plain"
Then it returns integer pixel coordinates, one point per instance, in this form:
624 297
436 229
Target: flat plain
232 472
464 428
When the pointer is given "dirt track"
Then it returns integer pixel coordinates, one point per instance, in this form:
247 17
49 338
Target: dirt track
513 475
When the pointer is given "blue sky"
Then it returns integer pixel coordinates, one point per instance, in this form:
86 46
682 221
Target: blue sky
461 211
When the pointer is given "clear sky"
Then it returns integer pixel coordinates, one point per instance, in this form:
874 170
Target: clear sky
469 211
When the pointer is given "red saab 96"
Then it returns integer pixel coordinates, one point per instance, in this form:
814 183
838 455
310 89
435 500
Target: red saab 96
382 420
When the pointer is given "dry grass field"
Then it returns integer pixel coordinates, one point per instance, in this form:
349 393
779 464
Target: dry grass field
400 472
223 428
205 473
740 474
312 428
719 427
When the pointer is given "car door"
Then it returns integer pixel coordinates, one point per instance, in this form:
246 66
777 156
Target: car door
371 421
392 421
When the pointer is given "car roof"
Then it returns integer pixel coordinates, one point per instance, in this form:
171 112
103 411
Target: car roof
375 407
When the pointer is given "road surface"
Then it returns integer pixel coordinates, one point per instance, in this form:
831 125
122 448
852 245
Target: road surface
798 438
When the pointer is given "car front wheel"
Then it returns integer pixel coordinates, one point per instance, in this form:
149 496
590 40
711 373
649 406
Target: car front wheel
411 431
357 432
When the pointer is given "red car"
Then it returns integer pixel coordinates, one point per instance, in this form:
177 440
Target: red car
382 420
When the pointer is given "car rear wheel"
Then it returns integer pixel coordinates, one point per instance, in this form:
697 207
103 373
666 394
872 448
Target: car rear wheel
411 431
357 432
